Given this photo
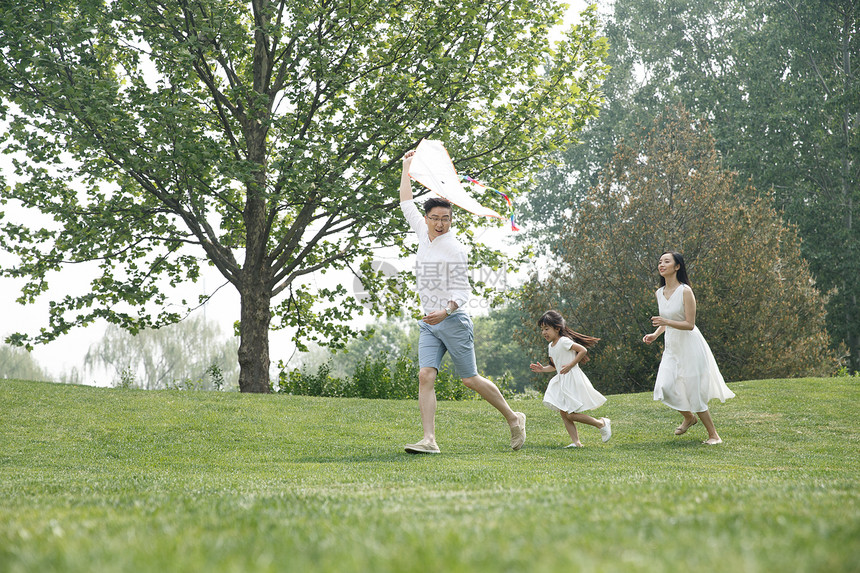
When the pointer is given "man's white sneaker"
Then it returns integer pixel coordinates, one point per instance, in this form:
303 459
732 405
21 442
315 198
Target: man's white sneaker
518 432
422 448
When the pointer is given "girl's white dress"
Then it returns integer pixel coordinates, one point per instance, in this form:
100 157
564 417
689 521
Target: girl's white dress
571 392
688 376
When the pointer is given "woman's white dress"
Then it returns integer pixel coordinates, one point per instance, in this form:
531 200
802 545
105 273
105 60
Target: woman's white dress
571 392
688 376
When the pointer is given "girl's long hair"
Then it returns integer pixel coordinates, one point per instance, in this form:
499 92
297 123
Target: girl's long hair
554 319
682 268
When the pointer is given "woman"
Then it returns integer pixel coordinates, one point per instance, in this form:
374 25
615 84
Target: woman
688 376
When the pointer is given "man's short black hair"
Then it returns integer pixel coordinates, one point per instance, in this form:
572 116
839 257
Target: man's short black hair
429 204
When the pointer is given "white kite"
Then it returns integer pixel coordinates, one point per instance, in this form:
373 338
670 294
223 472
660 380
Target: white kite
433 168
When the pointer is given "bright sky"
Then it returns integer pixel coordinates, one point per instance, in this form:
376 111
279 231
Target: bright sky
68 352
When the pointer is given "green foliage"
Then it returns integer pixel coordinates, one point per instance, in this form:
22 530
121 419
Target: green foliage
216 376
843 372
665 190
498 354
377 377
108 480
126 379
302 383
212 379
392 337
263 138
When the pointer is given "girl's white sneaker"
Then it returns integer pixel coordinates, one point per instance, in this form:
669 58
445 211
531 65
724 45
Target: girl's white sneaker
606 430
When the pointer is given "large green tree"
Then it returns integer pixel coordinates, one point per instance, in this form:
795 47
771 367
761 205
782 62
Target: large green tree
665 189
777 82
263 137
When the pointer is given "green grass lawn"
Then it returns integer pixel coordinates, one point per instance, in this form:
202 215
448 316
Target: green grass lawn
125 480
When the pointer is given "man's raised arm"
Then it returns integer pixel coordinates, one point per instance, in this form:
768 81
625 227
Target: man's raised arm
405 181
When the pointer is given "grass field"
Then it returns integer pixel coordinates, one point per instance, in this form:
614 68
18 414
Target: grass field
124 480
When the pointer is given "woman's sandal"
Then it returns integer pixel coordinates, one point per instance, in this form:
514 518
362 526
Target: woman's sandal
682 429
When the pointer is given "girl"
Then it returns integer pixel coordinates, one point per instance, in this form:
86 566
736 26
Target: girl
688 375
570 392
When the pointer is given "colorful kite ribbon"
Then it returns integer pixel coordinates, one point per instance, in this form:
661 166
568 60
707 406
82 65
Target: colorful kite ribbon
466 178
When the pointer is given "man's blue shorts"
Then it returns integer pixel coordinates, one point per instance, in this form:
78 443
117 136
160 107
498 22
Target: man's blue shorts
454 335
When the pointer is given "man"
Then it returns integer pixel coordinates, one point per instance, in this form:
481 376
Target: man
443 287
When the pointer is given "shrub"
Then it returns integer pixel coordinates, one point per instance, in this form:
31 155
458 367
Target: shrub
376 377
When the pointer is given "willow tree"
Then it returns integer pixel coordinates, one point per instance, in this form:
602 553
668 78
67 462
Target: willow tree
665 189
192 352
263 138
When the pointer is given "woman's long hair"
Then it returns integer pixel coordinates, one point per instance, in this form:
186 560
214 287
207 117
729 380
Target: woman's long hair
682 268
554 319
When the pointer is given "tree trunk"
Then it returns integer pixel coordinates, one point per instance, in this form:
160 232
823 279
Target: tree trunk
254 336
255 289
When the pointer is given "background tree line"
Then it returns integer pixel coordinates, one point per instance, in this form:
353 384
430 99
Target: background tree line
192 354
728 132
776 81
16 363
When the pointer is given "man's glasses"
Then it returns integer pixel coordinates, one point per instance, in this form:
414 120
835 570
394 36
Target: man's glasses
443 220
